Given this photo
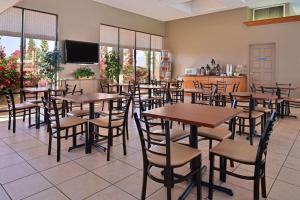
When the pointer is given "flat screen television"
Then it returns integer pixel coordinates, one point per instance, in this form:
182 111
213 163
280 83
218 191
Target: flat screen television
81 52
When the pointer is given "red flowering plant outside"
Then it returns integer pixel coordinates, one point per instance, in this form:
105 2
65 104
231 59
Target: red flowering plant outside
9 75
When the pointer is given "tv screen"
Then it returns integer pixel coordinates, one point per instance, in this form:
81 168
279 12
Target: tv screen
81 52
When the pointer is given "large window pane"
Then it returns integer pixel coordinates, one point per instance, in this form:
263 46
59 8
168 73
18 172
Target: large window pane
127 56
142 66
155 65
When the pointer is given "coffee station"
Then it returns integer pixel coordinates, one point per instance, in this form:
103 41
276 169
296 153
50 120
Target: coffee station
213 73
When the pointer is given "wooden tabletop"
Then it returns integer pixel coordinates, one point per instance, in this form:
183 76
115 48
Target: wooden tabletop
194 90
282 87
257 96
194 114
144 86
90 97
41 89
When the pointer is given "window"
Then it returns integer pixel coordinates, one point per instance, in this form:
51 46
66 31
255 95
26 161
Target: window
139 52
269 12
39 37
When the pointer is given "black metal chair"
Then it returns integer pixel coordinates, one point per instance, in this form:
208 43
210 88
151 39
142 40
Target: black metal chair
18 110
166 155
116 120
177 92
242 152
56 126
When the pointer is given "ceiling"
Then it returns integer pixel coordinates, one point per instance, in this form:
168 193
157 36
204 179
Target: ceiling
5 4
166 10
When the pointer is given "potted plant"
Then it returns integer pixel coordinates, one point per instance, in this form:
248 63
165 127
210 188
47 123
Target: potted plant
113 67
84 73
50 66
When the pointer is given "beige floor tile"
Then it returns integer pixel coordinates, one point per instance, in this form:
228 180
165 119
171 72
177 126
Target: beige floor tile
5 149
49 194
282 190
83 186
111 193
10 159
14 172
26 145
27 186
133 185
293 163
63 172
176 192
94 160
117 151
135 159
238 193
3 195
46 162
15 139
115 171
36 152
290 176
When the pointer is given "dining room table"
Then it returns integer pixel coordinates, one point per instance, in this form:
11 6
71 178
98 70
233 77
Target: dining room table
196 116
278 88
91 99
195 91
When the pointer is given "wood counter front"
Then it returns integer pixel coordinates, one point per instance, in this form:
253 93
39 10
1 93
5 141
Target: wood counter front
188 81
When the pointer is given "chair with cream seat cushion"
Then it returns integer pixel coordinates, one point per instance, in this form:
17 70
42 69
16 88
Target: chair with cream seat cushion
244 153
167 155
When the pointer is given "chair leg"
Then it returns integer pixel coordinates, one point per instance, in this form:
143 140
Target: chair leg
86 138
127 132
29 118
58 147
263 182
223 167
109 138
144 186
199 179
50 142
9 122
211 176
24 115
256 187
14 123
124 141
252 130
74 136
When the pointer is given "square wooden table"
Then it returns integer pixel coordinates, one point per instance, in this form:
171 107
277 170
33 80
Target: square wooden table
196 116
91 99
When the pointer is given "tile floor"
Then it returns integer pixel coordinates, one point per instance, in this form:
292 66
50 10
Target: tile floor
27 172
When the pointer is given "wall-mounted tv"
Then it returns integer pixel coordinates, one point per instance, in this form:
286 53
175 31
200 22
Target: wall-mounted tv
81 52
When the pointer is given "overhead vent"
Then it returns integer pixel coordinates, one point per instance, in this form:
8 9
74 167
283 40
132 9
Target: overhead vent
269 12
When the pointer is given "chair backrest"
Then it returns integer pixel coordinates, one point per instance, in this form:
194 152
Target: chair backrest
70 89
196 84
10 100
271 91
119 109
206 85
29 96
265 137
149 139
222 86
245 102
285 92
51 105
236 87
179 84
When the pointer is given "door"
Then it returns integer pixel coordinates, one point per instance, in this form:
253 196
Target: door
262 64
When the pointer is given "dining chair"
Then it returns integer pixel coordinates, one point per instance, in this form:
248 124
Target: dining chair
57 125
274 105
177 92
244 153
247 103
116 120
208 98
285 94
20 109
166 155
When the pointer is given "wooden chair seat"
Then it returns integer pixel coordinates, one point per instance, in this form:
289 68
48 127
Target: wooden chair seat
35 101
175 134
292 100
263 109
219 133
239 151
78 113
180 155
255 114
67 122
104 122
25 105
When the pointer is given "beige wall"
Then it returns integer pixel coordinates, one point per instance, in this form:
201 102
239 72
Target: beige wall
223 36
80 20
